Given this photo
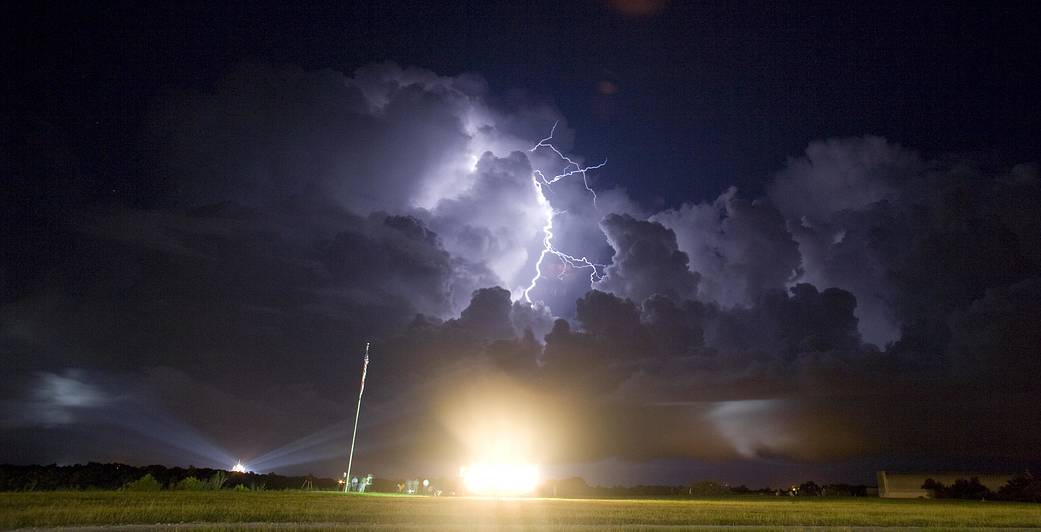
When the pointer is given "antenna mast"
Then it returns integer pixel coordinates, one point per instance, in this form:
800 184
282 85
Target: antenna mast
350 457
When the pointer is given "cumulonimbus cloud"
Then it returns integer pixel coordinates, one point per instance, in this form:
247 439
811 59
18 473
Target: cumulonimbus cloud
304 213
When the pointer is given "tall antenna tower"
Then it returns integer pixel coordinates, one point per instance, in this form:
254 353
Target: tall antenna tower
357 412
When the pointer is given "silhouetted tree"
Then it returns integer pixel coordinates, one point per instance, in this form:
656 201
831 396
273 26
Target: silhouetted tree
961 489
1024 487
809 489
145 483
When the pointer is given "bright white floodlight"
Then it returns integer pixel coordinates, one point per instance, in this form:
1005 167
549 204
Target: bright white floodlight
238 468
500 479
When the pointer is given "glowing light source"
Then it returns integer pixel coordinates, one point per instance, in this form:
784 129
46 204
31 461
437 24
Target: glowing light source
238 468
500 478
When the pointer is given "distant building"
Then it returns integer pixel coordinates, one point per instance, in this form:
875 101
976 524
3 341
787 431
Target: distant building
897 485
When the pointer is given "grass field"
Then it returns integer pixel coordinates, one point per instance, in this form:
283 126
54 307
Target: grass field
325 510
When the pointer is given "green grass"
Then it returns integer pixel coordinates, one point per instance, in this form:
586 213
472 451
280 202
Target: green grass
332 510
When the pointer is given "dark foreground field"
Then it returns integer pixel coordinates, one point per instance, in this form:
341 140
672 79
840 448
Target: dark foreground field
325 510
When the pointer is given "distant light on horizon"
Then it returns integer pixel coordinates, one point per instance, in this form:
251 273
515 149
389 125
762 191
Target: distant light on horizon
238 468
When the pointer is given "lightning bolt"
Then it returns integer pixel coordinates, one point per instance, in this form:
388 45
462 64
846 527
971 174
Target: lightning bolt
539 180
571 169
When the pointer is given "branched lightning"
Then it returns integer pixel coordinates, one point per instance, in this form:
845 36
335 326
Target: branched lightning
571 169
539 180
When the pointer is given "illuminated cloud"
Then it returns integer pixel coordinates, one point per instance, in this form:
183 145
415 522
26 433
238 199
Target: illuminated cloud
58 398
646 262
740 248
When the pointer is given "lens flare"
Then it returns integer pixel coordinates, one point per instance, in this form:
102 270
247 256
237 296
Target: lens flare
238 468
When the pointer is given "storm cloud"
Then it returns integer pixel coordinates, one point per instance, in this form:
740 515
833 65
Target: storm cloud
300 214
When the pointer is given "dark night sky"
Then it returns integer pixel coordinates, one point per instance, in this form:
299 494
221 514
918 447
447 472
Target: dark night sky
708 95
210 204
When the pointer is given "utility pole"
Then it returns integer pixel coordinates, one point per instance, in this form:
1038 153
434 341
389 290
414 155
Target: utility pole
350 457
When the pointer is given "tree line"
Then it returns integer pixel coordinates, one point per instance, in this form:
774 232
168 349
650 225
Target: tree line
147 478
576 487
1024 487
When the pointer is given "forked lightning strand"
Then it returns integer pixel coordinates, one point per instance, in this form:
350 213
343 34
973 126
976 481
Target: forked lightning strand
571 169
539 179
